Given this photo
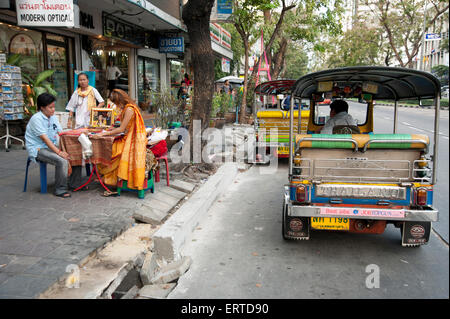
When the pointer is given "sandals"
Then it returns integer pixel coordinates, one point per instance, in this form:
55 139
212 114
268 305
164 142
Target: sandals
64 195
107 194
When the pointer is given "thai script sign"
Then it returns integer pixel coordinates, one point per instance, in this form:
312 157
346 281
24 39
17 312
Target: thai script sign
44 13
221 10
362 212
171 45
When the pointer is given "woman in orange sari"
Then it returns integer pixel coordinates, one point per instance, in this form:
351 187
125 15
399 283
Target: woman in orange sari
128 152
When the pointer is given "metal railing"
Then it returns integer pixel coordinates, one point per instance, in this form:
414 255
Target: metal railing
355 170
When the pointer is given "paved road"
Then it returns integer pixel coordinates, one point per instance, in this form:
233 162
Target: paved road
238 252
421 121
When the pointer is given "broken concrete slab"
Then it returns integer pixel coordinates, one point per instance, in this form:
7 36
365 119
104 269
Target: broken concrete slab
165 198
157 204
150 215
182 186
159 291
172 271
172 192
132 293
149 268
100 272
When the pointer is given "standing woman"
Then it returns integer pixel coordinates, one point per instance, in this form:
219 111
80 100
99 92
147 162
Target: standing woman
82 101
129 151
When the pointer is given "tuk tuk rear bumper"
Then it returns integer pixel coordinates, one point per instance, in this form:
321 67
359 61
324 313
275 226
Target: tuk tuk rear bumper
427 214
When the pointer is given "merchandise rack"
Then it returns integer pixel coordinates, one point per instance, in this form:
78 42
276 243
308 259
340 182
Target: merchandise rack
11 99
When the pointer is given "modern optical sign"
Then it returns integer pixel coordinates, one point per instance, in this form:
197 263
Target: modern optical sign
54 13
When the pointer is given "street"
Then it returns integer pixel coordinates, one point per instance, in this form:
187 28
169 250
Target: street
238 252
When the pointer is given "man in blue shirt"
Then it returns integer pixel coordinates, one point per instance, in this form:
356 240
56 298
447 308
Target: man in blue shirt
41 137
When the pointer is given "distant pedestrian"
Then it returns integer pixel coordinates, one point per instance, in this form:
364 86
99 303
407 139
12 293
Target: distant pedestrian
226 87
187 80
182 95
112 75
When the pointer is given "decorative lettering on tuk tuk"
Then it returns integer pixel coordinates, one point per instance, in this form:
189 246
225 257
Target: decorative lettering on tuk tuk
382 192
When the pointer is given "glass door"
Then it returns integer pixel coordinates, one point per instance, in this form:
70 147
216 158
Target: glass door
57 60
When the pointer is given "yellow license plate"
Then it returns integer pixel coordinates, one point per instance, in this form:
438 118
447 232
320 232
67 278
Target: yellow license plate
283 150
330 223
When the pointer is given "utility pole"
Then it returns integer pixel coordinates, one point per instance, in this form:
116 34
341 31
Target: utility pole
422 64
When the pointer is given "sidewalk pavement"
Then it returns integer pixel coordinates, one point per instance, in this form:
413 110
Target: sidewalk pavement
41 234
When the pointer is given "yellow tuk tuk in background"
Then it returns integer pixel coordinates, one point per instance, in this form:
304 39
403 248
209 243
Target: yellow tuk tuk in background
272 102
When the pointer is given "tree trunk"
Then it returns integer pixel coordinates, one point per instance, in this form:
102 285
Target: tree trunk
278 59
196 16
244 97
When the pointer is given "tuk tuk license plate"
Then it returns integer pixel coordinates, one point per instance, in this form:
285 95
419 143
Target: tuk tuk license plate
330 223
283 150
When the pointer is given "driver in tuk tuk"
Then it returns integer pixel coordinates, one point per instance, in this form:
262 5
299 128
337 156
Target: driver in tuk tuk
338 116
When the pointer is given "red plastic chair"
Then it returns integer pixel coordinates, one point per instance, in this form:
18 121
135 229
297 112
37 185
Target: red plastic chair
163 157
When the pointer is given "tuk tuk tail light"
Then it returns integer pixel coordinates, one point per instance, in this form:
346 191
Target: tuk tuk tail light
421 197
301 193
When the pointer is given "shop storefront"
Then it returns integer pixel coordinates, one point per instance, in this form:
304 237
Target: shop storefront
97 56
149 80
39 51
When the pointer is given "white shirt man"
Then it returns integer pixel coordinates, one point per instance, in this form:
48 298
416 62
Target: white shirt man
338 116
112 73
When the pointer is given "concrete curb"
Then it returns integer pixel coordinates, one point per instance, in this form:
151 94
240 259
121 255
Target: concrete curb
445 108
169 240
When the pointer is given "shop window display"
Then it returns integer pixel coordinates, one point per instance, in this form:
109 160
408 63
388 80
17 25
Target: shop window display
102 53
148 81
27 43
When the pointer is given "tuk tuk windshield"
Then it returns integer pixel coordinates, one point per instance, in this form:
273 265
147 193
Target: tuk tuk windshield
357 109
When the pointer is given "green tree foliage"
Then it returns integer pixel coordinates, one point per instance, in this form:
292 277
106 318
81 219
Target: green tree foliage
246 16
402 22
441 72
295 62
360 45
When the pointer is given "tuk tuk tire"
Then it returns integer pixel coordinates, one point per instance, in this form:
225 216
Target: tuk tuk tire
283 220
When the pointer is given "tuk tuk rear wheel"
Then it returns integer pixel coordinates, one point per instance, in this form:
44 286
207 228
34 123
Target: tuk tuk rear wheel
283 222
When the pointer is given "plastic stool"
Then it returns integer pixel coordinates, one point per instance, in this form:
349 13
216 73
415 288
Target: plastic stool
149 184
43 172
163 157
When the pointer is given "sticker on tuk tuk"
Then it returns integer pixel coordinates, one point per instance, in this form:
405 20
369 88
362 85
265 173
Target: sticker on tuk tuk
361 212
325 86
370 88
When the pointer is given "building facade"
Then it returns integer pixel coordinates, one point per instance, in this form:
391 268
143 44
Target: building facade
133 35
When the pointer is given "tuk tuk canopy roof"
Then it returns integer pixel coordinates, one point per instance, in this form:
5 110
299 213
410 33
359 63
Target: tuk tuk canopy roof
275 87
393 83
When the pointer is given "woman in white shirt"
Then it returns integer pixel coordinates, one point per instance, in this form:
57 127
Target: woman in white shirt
82 101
